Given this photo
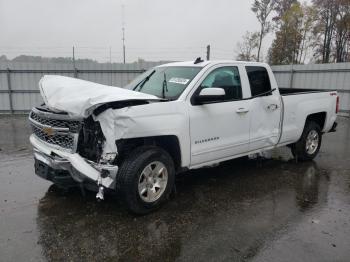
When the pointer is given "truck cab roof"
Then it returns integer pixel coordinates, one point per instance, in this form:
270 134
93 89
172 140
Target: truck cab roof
211 63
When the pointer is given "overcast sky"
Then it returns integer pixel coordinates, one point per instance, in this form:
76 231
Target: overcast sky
155 29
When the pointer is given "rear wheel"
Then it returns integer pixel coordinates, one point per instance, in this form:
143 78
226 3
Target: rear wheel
145 179
309 144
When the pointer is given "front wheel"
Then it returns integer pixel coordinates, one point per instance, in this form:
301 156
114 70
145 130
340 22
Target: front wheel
309 144
145 179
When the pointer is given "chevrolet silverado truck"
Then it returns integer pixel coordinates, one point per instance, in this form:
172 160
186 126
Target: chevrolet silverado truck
172 118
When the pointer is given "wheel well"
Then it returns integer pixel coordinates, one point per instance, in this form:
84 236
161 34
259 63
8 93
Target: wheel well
168 143
319 118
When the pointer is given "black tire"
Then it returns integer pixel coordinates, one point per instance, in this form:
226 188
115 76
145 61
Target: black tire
129 175
299 150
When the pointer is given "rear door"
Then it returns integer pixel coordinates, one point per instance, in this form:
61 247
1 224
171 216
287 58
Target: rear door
265 109
220 129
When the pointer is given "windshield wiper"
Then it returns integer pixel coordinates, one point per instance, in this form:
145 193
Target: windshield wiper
165 86
144 81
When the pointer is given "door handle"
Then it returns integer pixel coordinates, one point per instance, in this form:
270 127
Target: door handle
242 111
272 107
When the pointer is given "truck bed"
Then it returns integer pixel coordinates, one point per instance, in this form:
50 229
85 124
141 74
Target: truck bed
300 103
297 91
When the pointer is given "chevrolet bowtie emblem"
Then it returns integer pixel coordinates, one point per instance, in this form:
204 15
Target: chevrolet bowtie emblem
49 131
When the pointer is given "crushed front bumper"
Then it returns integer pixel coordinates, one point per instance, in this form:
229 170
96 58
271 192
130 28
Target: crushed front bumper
61 162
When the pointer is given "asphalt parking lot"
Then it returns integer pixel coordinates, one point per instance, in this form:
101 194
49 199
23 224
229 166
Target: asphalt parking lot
270 209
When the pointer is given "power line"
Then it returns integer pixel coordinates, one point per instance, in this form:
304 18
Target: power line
107 53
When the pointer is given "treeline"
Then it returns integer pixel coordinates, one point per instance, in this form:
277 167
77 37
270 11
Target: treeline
41 59
318 32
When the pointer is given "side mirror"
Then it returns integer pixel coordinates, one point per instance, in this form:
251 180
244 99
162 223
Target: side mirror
212 94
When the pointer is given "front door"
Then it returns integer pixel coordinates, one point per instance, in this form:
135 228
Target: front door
220 129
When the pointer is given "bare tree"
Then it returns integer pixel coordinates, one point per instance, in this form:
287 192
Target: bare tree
308 23
262 10
326 27
248 46
342 35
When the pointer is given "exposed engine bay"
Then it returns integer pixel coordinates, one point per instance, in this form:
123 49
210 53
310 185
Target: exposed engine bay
91 140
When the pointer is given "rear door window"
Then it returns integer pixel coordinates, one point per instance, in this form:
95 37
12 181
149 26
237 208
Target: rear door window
259 80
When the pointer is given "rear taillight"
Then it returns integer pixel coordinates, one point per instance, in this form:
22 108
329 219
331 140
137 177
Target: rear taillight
337 107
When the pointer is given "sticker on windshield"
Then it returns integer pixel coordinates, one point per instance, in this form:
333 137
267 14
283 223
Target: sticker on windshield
180 81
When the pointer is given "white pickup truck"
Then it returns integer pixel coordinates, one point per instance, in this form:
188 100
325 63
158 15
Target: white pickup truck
172 118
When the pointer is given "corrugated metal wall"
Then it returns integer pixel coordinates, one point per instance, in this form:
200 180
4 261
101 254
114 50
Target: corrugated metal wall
19 81
319 76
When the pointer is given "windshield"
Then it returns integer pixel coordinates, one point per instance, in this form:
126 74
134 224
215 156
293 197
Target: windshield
164 82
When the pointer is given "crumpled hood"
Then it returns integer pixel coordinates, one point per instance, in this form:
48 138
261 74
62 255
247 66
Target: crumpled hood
79 97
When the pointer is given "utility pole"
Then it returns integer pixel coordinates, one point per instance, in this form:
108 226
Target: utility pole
208 52
110 65
123 31
73 58
74 67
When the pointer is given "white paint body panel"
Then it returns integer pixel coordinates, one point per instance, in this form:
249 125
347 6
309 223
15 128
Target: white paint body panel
265 124
298 107
217 131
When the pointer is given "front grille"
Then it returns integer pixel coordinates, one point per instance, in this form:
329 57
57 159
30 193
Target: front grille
72 125
55 129
65 141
